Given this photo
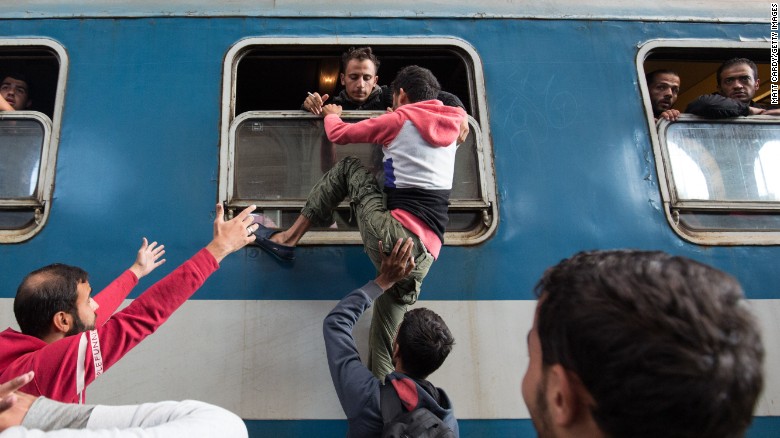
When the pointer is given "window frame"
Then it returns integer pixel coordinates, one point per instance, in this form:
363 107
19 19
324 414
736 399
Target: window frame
671 205
479 123
47 168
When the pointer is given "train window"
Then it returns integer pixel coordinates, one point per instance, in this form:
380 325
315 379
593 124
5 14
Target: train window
718 178
28 137
272 153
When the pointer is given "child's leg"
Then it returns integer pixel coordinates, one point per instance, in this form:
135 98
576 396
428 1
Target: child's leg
389 310
329 191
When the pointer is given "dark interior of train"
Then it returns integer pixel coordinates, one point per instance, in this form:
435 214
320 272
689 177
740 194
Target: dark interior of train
41 67
278 77
697 68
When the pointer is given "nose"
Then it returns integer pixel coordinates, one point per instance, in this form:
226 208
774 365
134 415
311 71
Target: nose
93 304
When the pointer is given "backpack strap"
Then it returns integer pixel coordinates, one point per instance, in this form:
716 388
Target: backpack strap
389 402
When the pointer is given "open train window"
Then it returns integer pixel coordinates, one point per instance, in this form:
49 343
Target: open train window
272 153
29 136
718 177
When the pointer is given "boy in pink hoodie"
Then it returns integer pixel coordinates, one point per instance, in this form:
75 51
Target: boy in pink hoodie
419 139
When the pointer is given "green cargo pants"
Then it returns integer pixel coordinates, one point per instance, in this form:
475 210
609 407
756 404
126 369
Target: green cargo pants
349 179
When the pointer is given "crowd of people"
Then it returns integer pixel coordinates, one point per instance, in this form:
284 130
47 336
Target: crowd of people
623 343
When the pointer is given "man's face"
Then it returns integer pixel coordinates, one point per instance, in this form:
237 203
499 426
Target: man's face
359 79
738 82
14 92
663 91
85 316
534 384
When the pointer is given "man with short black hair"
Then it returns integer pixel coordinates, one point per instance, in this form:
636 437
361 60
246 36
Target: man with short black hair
664 86
737 85
360 68
68 344
641 344
422 344
15 93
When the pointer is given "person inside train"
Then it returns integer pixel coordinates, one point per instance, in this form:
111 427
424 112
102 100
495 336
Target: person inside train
26 416
641 344
69 339
664 86
738 82
360 69
419 139
15 93
422 345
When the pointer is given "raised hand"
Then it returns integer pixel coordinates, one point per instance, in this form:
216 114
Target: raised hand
148 258
232 235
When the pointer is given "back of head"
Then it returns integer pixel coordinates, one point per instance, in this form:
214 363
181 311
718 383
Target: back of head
418 83
359 54
665 346
45 292
736 61
424 342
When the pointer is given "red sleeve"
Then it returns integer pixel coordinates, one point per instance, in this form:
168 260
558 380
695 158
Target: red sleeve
380 130
112 296
65 367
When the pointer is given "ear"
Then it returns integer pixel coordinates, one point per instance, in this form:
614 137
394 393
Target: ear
29 102
342 77
563 400
376 79
61 322
758 82
403 98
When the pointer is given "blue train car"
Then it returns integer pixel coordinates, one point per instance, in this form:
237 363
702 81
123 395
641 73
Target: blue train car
147 114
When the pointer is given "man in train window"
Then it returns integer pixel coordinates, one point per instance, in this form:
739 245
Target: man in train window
69 339
361 92
664 86
641 344
419 145
423 343
737 85
15 93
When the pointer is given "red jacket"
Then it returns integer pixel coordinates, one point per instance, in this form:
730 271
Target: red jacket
65 367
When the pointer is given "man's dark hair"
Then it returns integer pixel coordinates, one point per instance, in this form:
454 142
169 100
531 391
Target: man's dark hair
666 346
418 83
735 61
359 54
19 76
650 77
424 341
45 292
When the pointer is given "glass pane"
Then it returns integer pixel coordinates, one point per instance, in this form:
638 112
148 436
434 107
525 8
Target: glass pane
282 158
725 161
21 142
704 221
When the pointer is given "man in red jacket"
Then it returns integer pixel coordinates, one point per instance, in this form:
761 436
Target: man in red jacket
69 345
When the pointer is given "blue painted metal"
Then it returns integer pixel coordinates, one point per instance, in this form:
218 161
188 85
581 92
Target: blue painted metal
574 164
138 156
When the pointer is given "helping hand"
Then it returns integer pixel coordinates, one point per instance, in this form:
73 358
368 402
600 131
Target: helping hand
232 235
397 265
314 102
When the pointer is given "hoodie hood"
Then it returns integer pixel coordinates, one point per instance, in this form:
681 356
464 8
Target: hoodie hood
438 124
